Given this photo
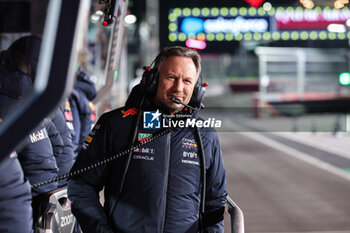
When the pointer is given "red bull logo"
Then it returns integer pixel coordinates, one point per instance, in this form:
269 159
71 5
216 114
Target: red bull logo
131 111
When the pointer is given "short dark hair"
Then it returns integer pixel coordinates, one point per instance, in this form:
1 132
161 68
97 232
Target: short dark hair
179 51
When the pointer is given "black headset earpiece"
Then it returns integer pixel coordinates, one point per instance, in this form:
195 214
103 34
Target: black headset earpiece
198 94
149 80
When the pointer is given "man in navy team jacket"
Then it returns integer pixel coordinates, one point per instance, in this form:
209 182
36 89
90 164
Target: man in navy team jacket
161 191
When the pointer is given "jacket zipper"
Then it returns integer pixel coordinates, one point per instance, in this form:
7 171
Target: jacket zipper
167 161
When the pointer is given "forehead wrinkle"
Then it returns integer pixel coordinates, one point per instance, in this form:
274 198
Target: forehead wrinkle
177 71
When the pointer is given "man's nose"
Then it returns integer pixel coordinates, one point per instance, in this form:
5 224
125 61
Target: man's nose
178 85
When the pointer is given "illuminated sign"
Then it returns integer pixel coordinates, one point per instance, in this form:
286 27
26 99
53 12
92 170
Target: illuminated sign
196 44
235 25
256 24
309 19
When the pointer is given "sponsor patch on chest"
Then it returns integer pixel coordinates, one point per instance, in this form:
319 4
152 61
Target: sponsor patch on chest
188 143
190 157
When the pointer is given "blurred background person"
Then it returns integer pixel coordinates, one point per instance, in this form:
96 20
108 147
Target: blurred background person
83 110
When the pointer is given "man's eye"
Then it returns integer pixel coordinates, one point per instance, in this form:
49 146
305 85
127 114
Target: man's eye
188 81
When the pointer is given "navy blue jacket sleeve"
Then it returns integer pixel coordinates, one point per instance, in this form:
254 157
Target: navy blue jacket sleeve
55 138
15 199
83 189
216 188
66 159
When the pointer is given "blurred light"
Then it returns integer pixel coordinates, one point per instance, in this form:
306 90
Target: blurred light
255 3
224 11
262 11
172 37
191 36
309 4
322 35
267 36
265 80
214 11
271 12
276 36
182 36
205 11
252 11
172 27
248 36
239 36
219 37
341 36
319 9
339 28
192 25
172 17
229 36
304 35
187 11
295 35
99 13
344 1
130 19
196 44
243 11
201 36
257 36
177 11
267 6
285 35
94 18
115 76
233 11
313 35
196 11
332 36
210 36
344 78
338 4
348 22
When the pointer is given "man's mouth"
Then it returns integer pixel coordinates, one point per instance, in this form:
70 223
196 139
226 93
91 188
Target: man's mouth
177 97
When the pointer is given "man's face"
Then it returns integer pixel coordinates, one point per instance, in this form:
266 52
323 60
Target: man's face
177 78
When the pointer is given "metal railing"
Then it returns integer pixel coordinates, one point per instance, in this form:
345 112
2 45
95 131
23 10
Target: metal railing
236 216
